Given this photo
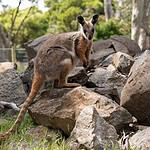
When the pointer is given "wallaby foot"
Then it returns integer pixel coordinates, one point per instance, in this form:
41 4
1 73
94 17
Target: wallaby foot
71 85
68 85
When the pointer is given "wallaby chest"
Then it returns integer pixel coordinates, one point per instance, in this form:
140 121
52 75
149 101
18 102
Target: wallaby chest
82 45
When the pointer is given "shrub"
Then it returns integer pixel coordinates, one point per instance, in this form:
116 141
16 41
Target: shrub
105 30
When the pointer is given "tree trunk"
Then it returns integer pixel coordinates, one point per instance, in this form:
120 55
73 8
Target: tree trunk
118 13
4 41
13 53
137 13
144 29
108 9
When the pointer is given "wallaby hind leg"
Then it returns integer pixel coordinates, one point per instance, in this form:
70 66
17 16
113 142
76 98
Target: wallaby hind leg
63 78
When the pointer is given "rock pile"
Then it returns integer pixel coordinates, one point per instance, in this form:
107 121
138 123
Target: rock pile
115 89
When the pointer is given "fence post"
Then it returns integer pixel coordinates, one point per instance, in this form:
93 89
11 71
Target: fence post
13 54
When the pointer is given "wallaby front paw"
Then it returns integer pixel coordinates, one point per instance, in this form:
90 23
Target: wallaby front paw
86 64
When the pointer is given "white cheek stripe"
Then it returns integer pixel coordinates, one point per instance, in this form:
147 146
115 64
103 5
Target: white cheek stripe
81 30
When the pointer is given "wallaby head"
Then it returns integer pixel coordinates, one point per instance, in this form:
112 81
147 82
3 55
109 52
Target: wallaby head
88 26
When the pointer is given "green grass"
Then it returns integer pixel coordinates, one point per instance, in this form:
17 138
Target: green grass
21 139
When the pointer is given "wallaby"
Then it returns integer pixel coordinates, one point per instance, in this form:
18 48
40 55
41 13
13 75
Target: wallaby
54 61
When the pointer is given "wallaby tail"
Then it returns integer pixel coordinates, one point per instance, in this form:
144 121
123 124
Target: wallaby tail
36 84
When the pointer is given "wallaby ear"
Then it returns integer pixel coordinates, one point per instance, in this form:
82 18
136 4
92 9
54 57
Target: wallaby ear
95 19
81 20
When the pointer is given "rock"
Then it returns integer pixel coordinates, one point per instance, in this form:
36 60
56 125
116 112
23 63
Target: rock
27 76
108 92
123 44
78 75
4 66
32 47
100 55
126 45
11 87
2 108
103 78
37 133
122 62
141 140
60 108
111 68
136 92
107 61
92 132
101 45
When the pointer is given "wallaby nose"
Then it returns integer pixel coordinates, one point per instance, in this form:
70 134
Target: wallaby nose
90 37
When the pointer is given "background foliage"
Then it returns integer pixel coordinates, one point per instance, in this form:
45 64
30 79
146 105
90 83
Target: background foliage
61 17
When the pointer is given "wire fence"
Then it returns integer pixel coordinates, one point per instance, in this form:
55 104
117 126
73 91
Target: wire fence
5 55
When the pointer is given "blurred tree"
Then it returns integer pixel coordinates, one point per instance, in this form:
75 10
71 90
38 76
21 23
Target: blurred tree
14 28
118 13
36 25
108 9
60 17
63 13
4 41
144 37
109 28
140 22
123 10
137 10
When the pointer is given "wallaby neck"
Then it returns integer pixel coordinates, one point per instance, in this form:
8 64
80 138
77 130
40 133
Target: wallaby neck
81 44
83 39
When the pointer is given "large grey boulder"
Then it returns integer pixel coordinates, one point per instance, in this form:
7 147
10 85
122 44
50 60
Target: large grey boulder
60 108
78 75
104 48
141 140
11 87
104 78
92 132
33 46
135 96
126 45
